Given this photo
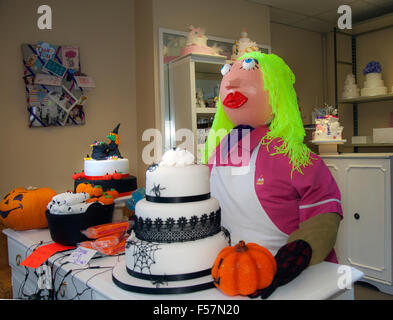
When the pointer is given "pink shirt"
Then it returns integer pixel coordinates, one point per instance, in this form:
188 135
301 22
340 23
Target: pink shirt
287 200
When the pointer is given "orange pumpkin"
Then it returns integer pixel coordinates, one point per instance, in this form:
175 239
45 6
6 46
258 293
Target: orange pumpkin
244 268
112 192
93 199
89 189
97 191
24 209
81 187
106 199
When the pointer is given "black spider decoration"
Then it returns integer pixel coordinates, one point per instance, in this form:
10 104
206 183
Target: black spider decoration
157 190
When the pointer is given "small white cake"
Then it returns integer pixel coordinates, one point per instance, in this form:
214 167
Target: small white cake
373 84
327 125
351 89
197 43
243 45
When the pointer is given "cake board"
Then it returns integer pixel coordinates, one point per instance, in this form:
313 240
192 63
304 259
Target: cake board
328 147
125 281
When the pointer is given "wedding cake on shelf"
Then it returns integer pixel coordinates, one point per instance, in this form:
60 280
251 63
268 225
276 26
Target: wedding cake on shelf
177 233
351 89
243 45
197 43
327 126
373 84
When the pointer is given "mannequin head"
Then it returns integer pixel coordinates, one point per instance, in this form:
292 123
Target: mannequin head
258 90
244 99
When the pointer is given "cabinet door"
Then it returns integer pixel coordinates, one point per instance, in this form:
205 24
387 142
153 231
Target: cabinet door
336 169
368 213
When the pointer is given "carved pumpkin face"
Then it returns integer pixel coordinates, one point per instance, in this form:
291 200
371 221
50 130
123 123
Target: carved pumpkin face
23 209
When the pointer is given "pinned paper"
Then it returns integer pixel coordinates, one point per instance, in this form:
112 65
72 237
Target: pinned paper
70 57
81 256
43 253
46 51
55 68
42 78
63 98
85 82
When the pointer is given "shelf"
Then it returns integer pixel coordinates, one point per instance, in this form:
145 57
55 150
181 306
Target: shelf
383 97
208 111
368 145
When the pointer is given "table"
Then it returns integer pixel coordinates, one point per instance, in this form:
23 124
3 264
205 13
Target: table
315 283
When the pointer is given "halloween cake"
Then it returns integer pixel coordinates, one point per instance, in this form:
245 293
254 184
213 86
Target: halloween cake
178 221
106 167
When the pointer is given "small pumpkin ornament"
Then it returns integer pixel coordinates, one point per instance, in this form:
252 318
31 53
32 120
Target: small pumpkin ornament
81 187
24 209
113 192
89 189
106 199
117 175
244 268
97 191
93 199
107 177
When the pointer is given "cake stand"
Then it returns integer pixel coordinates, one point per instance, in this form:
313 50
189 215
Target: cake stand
327 147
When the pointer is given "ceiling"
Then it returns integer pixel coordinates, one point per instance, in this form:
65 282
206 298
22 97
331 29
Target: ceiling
321 15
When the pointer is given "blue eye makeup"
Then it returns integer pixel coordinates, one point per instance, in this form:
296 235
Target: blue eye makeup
225 69
249 63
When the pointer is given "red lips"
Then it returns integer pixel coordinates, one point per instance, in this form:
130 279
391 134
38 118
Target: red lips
234 100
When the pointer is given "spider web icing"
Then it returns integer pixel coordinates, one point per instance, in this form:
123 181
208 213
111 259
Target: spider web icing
143 253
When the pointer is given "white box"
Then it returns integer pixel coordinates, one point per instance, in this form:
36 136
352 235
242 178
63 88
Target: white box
383 135
362 139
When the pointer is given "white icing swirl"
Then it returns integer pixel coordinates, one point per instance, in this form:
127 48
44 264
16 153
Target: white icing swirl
177 158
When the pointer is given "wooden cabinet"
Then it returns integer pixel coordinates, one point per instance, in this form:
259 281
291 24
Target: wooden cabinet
365 235
186 74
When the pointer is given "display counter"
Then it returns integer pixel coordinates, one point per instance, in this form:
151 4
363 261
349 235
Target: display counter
94 282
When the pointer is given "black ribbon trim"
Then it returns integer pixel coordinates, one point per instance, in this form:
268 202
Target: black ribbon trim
178 199
176 290
165 278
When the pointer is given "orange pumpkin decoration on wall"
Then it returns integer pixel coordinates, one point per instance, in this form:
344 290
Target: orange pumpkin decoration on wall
24 209
244 268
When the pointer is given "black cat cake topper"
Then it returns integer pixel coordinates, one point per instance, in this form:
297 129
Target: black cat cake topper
107 151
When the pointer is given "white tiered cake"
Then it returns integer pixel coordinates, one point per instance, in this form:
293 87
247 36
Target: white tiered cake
243 45
351 89
177 233
374 84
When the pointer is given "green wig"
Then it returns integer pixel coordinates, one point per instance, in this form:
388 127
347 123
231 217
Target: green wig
286 124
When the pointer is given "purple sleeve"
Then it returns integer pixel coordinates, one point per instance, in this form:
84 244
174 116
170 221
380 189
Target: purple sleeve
317 190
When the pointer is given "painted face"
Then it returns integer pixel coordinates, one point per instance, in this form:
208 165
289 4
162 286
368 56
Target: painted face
242 94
